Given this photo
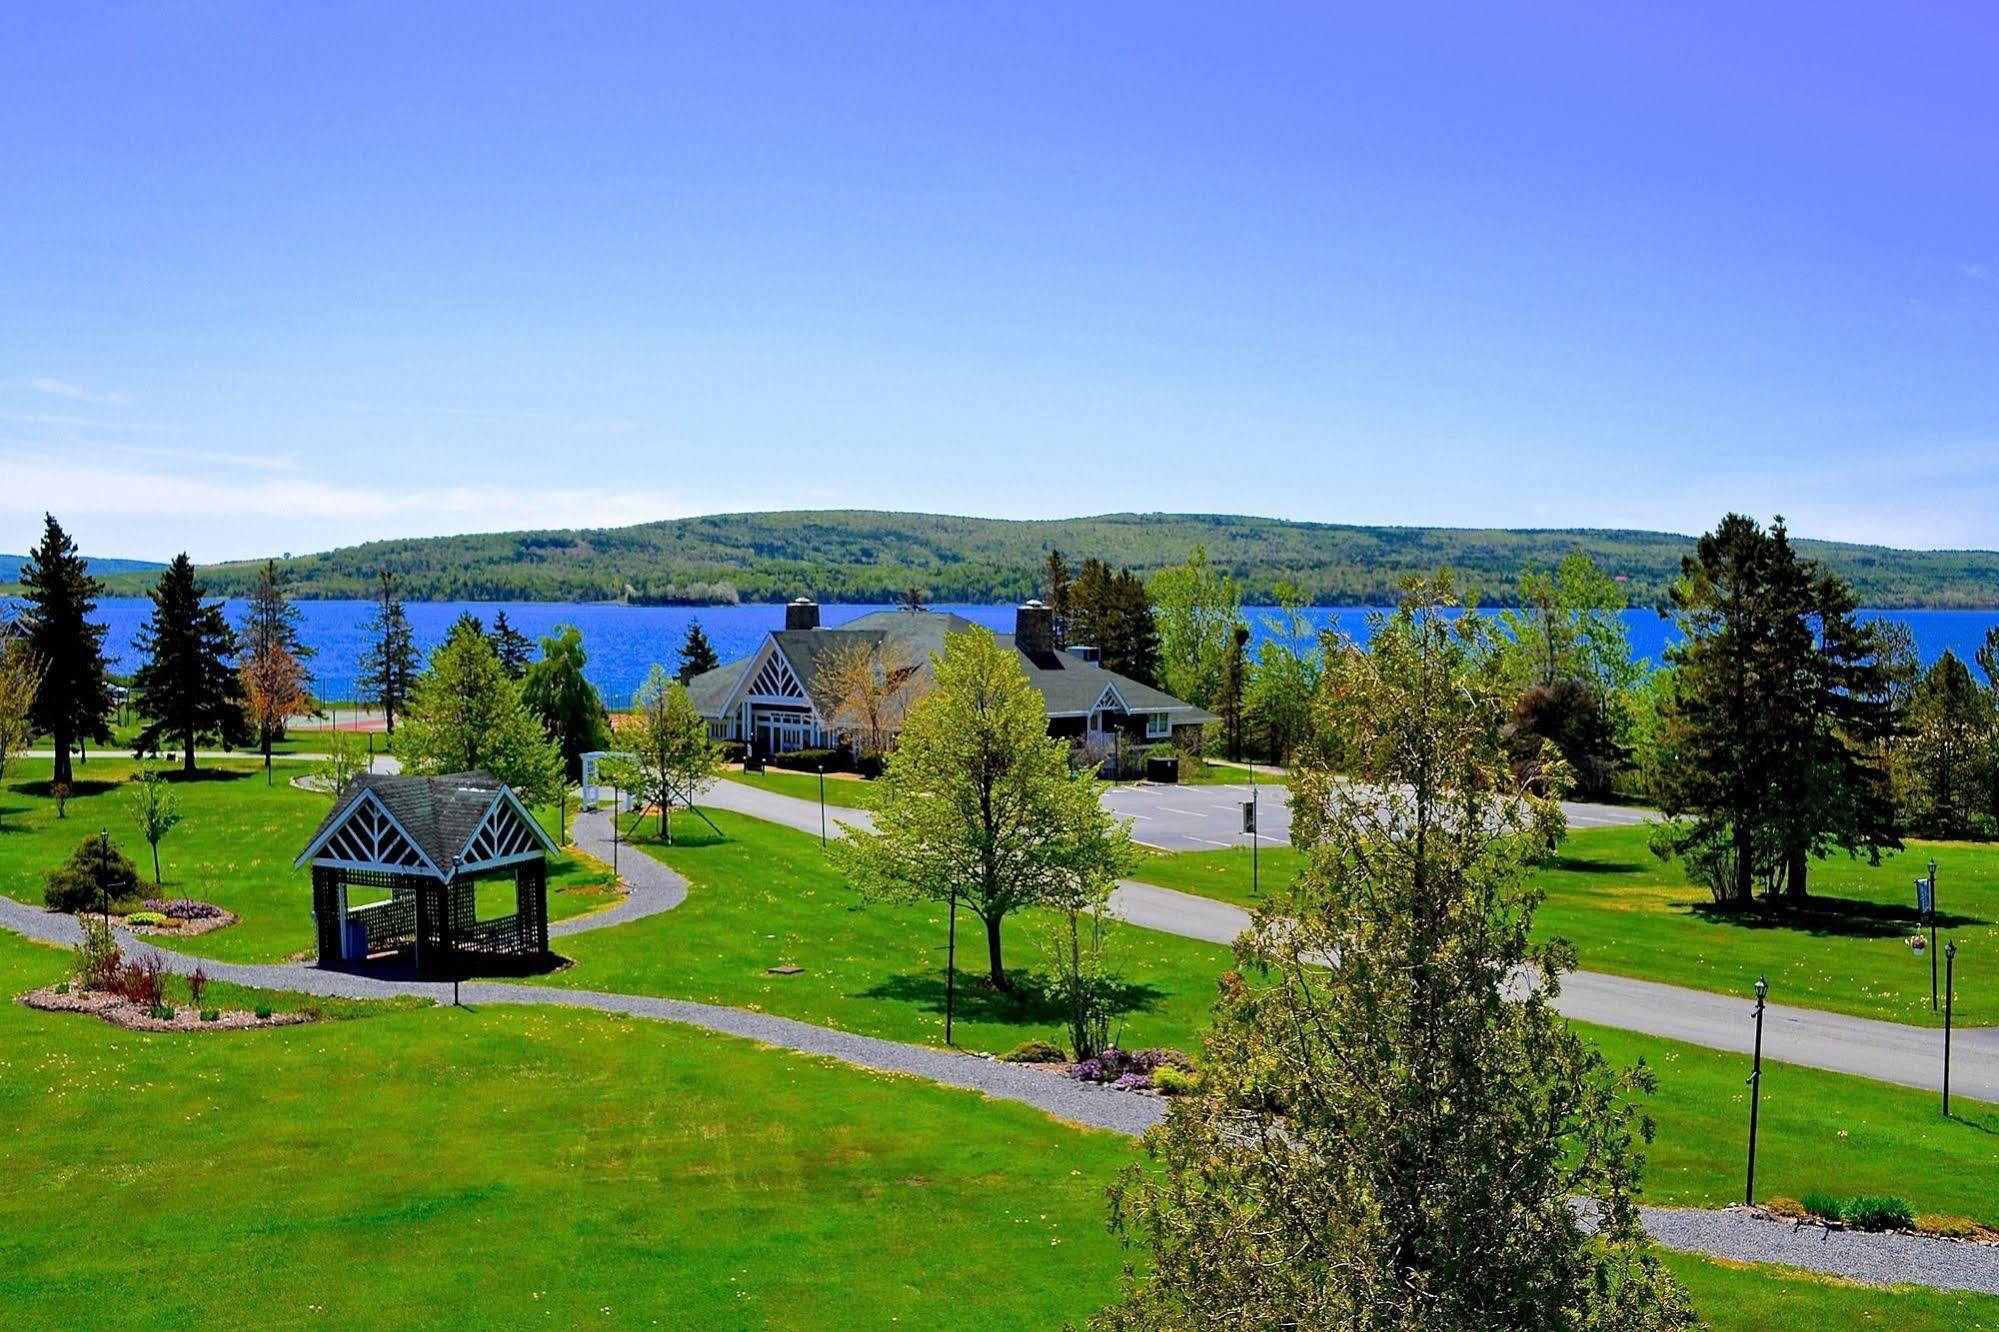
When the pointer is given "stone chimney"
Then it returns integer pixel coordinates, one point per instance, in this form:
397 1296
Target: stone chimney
1034 629
801 614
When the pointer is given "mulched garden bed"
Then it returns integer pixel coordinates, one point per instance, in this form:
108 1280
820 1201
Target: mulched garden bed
124 1013
179 929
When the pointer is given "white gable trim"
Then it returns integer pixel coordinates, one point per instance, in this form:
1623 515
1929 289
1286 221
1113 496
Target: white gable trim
1111 696
368 798
526 822
776 681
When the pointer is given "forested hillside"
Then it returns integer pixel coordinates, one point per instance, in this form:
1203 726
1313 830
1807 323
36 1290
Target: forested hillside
864 556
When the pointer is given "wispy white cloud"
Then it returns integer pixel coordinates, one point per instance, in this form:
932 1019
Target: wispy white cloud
62 388
93 423
1978 272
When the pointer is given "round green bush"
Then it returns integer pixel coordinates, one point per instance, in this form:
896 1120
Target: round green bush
1869 1212
1035 1052
1172 1080
145 918
97 870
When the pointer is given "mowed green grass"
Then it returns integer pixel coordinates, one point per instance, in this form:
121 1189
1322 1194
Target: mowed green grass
1817 1131
504 1165
234 847
843 792
1630 914
765 896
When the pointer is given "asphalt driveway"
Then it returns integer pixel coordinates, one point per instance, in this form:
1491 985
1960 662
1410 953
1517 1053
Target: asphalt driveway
1203 818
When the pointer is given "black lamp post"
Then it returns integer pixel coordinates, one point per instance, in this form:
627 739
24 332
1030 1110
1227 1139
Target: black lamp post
1949 968
451 954
1255 835
614 827
104 872
1755 1092
1933 934
822 804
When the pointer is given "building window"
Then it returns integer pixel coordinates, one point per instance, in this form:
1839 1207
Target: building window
1158 726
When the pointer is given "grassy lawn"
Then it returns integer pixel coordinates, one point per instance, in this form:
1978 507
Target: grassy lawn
768 895
570 1167
1630 914
1818 1132
234 847
843 792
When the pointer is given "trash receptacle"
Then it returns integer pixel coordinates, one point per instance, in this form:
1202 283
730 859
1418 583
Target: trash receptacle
356 944
1163 769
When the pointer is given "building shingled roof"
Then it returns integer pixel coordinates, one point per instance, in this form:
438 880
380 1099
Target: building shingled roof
440 813
1070 685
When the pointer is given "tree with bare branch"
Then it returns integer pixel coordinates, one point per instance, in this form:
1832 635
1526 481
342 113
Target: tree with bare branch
867 689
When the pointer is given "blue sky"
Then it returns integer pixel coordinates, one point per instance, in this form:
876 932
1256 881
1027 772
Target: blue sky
277 277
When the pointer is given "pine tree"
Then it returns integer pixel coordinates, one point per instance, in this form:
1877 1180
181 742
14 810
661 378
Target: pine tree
1057 593
188 690
511 646
697 654
388 669
1232 689
1112 612
74 700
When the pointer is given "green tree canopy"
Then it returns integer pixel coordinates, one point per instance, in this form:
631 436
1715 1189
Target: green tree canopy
977 802
465 715
74 700
557 691
1112 612
669 740
389 667
1391 1132
1196 608
188 689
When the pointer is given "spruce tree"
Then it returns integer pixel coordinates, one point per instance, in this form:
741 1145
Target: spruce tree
1057 593
697 654
388 669
188 689
511 646
73 702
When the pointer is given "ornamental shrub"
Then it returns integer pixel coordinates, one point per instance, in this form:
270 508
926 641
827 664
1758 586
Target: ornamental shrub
183 908
1172 1080
141 981
95 872
145 918
1131 1082
98 956
211 1015
161 1012
263 1012
1035 1052
1871 1212
1824 1206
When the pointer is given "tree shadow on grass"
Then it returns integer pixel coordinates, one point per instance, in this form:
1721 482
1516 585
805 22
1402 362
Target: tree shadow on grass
212 774
1587 865
1831 917
80 788
1029 1004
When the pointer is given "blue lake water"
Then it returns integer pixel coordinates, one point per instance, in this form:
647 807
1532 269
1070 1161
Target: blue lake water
623 641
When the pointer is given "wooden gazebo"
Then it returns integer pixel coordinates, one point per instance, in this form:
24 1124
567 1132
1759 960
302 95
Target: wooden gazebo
415 851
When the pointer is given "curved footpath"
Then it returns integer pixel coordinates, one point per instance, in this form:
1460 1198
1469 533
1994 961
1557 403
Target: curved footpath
653 888
1814 1038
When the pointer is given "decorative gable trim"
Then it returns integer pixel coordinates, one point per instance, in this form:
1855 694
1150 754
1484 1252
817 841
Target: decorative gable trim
506 834
776 680
1109 700
368 836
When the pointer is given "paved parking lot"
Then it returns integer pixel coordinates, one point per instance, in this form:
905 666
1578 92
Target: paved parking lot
1202 818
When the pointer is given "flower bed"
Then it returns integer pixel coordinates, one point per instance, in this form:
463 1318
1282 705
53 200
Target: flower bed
181 916
122 1012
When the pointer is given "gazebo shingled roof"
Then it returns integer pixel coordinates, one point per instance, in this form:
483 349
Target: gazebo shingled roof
440 814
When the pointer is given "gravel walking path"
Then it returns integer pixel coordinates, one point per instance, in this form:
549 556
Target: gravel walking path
650 887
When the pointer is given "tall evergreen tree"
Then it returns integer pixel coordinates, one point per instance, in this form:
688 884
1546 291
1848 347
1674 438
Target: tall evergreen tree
1771 742
1950 749
1112 612
467 625
697 654
389 667
74 700
511 646
1057 593
188 689
1231 693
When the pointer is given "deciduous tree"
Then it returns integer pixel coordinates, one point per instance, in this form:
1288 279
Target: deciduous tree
188 689
276 684
157 810
465 715
1196 608
74 702
1391 1134
977 802
866 689
557 691
669 740
21 672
